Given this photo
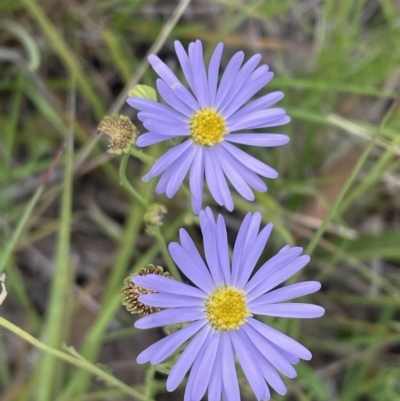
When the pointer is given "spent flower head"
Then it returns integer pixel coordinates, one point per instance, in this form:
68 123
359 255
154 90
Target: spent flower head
210 119
121 131
221 312
131 291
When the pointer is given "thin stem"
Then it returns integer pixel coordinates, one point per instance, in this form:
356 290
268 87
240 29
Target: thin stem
167 258
20 228
142 156
80 363
125 183
335 207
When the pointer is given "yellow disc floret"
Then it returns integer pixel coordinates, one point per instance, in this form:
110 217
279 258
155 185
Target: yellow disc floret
226 308
207 127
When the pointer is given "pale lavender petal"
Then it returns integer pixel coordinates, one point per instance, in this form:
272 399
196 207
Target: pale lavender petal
281 340
252 255
185 361
199 72
202 368
213 72
257 119
167 129
256 105
163 70
269 282
288 356
240 81
215 385
165 177
269 140
196 180
229 375
166 300
238 248
170 316
181 170
160 116
249 366
259 78
227 78
210 250
290 310
184 62
249 176
190 249
198 274
222 248
212 182
250 162
234 176
163 284
243 247
216 179
165 347
272 265
286 293
169 96
268 371
155 108
150 138
168 158
269 352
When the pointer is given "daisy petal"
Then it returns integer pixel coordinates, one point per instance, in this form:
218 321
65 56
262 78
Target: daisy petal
290 310
248 175
286 293
199 71
275 263
215 385
168 158
269 352
257 119
163 284
185 361
170 316
250 368
184 62
268 140
191 250
213 72
229 75
256 105
202 372
279 276
229 375
165 347
197 273
280 339
254 252
250 162
150 138
170 300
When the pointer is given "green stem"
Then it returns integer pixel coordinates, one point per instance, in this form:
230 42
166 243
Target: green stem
167 257
80 363
335 207
20 228
142 156
125 183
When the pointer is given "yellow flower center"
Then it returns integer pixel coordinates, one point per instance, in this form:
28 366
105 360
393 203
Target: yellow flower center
227 309
207 127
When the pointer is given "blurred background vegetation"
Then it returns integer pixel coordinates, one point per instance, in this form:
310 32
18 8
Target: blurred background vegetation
69 236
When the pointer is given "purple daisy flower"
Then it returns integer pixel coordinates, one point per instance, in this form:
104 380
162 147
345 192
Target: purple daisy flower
212 118
221 312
